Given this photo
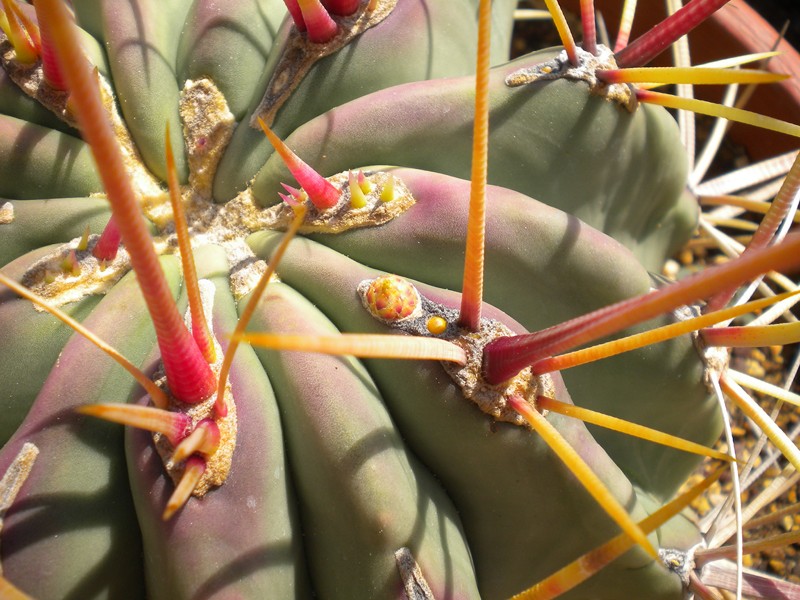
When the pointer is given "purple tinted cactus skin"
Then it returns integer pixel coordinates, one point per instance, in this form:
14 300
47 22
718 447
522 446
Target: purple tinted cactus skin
78 497
535 132
364 494
245 539
45 338
395 51
523 514
472 457
606 272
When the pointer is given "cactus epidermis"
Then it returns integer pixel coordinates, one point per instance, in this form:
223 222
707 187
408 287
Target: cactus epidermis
338 466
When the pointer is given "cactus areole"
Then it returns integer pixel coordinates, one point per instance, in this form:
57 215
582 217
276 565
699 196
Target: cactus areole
314 473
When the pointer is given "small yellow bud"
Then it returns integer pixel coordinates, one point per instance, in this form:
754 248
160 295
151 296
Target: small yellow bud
437 325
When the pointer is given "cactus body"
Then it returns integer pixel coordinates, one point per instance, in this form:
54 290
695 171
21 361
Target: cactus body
80 498
268 549
623 175
339 463
472 456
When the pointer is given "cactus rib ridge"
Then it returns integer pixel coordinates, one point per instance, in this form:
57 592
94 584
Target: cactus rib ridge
365 198
207 128
299 55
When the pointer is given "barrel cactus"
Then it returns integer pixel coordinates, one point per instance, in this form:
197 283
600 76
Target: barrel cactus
289 468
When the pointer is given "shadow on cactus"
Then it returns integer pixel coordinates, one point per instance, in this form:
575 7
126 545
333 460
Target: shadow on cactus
449 460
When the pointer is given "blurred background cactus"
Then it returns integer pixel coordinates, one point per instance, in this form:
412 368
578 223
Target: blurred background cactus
432 467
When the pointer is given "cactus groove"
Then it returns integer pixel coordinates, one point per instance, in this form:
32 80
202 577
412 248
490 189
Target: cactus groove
322 415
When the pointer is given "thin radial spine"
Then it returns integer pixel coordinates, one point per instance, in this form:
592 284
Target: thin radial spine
505 357
700 590
690 75
364 183
786 480
736 61
204 440
188 374
83 243
628 428
564 33
756 413
704 556
362 345
387 193
31 28
645 48
296 194
472 286
788 511
735 496
200 330
778 210
758 336
578 467
22 33
595 560
156 394
195 467
653 336
626 22
69 264
748 204
357 197
764 387
174 425
288 199
220 408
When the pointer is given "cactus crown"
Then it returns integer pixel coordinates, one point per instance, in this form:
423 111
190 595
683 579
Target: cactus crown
202 406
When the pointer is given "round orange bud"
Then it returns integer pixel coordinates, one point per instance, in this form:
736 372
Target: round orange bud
391 298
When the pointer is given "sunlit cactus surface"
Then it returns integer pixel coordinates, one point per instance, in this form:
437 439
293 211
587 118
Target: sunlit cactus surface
289 290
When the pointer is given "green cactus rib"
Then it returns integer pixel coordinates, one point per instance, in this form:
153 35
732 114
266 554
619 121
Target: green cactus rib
229 42
492 583
419 40
338 463
78 495
38 162
14 102
45 337
142 46
344 448
34 223
568 280
540 144
244 537
22 104
473 457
